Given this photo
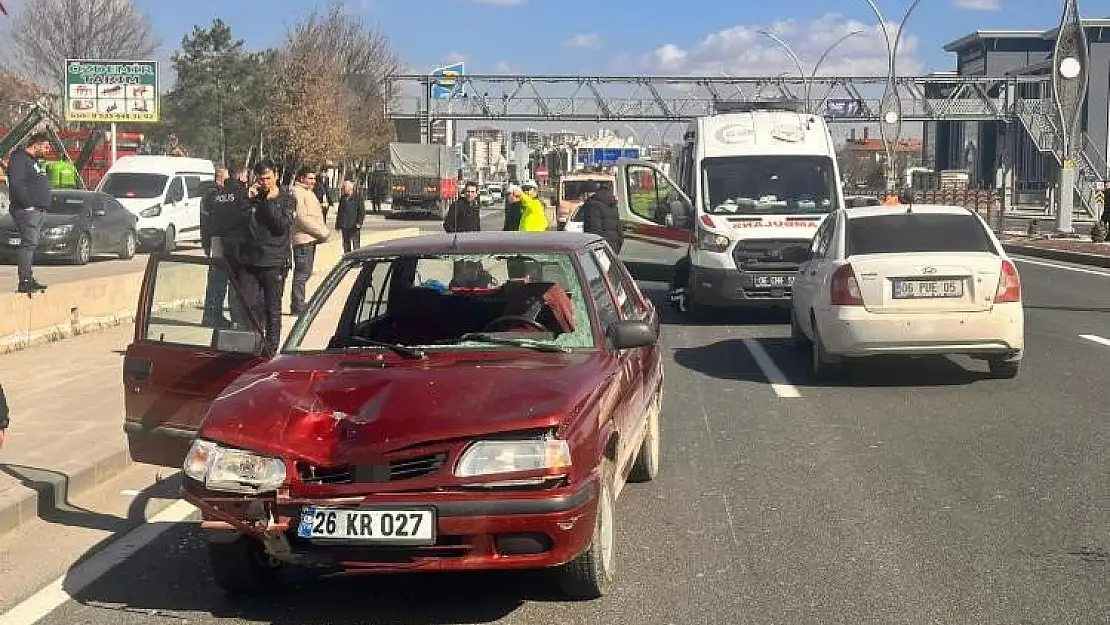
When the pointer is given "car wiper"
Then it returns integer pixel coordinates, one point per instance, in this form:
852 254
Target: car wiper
525 343
400 350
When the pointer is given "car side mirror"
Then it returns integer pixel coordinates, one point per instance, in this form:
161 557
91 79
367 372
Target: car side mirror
238 341
631 334
99 212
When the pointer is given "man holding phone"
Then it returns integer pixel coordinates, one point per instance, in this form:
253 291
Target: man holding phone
266 251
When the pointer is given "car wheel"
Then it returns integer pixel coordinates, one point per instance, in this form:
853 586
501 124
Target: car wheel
821 363
82 249
799 338
129 245
242 566
169 241
591 574
646 466
1005 369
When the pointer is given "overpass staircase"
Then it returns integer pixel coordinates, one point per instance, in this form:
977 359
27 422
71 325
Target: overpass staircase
1038 117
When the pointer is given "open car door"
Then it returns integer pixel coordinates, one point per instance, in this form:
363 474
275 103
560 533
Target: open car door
183 354
657 217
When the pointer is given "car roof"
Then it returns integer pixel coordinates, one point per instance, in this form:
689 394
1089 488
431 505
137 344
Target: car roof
921 209
491 242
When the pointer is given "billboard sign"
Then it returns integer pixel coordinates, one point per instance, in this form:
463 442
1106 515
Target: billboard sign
445 80
111 91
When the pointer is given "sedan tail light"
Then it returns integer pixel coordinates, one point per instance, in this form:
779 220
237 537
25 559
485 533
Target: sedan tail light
844 289
1009 284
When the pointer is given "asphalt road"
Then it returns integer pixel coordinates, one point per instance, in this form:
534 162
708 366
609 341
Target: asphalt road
916 492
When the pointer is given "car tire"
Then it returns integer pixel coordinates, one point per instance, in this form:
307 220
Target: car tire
169 239
821 363
591 575
242 566
82 249
800 341
1004 369
646 467
129 245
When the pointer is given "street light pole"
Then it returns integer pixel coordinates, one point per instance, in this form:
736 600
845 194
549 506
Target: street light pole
793 57
1069 91
891 108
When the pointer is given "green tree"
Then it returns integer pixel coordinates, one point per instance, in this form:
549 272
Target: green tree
218 80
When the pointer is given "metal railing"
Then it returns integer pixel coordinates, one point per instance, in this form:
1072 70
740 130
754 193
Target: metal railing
1037 117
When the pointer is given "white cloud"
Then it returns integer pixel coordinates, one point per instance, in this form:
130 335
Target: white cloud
742 51
980 5
584 40
456 57
502 67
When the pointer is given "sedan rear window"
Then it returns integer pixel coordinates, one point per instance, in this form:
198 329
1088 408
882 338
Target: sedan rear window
920 232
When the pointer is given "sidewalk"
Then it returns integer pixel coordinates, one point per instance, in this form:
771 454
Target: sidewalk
66 401
1078 250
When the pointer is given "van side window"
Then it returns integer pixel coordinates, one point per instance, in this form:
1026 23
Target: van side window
686 170
193 186
176 192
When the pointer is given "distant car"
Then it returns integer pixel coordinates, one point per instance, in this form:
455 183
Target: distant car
906 280
77 226
575 222
484 198
445 404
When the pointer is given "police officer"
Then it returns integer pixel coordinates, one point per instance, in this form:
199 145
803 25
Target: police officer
223 213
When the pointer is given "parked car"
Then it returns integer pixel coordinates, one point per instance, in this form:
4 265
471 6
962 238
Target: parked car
908 280
445 404
77 226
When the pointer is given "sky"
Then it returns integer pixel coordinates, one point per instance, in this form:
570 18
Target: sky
707 37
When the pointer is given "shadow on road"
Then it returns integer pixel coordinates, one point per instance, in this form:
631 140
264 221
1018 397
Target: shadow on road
53 487
175 582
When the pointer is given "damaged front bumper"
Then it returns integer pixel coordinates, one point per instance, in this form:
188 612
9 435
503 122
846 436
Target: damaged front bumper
474 531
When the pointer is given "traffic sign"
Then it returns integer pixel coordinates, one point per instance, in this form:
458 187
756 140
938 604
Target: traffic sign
446 80
111 91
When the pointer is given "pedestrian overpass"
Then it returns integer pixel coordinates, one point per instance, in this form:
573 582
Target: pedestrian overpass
1016 101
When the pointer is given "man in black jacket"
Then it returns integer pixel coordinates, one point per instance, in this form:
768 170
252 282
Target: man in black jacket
349 217
29 187
266 251
223 220
3 417
465 214
601 216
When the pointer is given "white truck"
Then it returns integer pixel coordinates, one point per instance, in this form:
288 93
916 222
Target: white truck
751 187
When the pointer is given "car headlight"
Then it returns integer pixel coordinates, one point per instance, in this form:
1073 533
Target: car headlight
712 242
221 468
58 231
153 211
510 456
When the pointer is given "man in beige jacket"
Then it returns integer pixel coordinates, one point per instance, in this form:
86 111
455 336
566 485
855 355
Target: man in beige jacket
309 229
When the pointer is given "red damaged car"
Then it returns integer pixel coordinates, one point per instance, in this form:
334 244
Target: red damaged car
445 404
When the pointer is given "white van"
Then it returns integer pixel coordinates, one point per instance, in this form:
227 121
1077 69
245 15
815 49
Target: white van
164 192
752 187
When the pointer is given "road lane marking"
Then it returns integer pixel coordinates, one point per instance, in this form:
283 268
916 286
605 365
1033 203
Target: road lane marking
1041 263
779 383
80 577
1094 338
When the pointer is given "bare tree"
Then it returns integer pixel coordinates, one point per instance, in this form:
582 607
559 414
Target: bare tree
47 32
362 58
307 122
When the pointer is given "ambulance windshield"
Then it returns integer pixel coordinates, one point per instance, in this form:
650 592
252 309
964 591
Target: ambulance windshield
769 185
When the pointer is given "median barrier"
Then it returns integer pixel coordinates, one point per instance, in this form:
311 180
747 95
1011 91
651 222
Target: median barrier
70 308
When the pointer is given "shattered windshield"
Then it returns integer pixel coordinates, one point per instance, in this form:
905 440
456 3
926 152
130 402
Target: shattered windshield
493 301
769 185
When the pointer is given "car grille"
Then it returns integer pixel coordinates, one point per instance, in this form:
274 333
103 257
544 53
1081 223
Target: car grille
771 254
397 470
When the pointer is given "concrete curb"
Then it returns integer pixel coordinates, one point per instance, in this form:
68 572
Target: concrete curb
43 491
1080 258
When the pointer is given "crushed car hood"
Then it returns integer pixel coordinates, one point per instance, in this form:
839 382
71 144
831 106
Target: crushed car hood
335 409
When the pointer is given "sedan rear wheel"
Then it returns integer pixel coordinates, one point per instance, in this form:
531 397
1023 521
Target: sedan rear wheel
242 566
592 574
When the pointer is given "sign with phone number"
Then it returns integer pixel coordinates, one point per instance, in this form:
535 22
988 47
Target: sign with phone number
111 91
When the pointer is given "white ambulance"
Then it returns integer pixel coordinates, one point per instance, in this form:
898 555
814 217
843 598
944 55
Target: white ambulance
751 187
